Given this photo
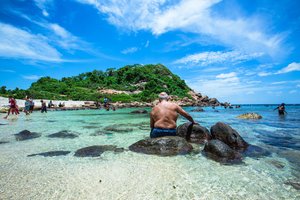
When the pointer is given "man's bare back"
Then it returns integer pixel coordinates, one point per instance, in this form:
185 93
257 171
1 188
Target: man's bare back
165 114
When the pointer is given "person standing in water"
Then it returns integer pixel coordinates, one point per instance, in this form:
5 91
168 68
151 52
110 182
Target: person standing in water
164 115
44 106
13 107
281 109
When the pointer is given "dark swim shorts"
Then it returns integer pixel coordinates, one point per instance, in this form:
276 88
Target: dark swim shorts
161 132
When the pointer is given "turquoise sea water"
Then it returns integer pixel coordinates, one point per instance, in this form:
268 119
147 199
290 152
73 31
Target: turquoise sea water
130 175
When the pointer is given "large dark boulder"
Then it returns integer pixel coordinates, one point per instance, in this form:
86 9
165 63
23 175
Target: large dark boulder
220 152
96 150
164 146
51 153
198 135
228 135
142 111
63 134
26 135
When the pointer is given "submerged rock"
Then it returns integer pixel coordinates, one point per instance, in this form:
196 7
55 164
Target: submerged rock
100 132
26 135
97 150
198 135
250 116
220 152
142 111
295 184
228 135
3 142
63 134
51 153
118 128
164 146
256 152
198 110
277 164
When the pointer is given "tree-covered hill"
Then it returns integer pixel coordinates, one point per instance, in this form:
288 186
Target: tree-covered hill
141 83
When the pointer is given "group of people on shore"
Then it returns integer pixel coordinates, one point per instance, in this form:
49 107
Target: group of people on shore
14 108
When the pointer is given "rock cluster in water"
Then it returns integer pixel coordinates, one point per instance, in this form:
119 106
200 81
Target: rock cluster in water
222 143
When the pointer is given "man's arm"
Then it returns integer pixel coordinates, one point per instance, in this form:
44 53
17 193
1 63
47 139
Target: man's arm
185 114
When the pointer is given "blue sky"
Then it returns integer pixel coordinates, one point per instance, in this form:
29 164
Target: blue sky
237 51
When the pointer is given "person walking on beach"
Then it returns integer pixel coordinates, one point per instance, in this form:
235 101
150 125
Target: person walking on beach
164 115
13 107
281 109
44 106
27 106
31 105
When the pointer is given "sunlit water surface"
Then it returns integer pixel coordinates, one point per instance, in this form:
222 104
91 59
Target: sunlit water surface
130 175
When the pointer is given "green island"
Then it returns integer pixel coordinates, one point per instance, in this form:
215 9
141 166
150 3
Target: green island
130 83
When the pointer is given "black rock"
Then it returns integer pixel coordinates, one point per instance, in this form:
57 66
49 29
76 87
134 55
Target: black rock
3 142
164 146
220 152
97 150
139 111
198 135
63 134
26 135
51 153
228 135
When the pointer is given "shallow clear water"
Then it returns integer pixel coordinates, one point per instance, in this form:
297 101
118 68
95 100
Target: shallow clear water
130 175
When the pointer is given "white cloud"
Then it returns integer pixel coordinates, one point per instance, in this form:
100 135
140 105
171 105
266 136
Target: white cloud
264 73
129 50
279 83
225 76
208 58
21 44
293 91
160 16
31 77
298 85
7 71
290 68
43 5
214 69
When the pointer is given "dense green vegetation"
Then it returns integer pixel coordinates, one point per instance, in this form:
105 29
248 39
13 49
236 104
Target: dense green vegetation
149 79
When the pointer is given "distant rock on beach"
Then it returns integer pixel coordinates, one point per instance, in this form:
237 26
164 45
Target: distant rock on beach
249 116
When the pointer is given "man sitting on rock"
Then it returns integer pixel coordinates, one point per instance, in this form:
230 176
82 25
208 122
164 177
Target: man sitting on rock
163 117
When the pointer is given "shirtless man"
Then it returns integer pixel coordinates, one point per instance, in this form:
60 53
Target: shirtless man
163 117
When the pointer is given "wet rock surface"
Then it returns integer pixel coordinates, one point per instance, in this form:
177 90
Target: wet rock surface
198 135
97 150
220 152
164 146
250 116
3 142
228 135
51 153
26 135
63 134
